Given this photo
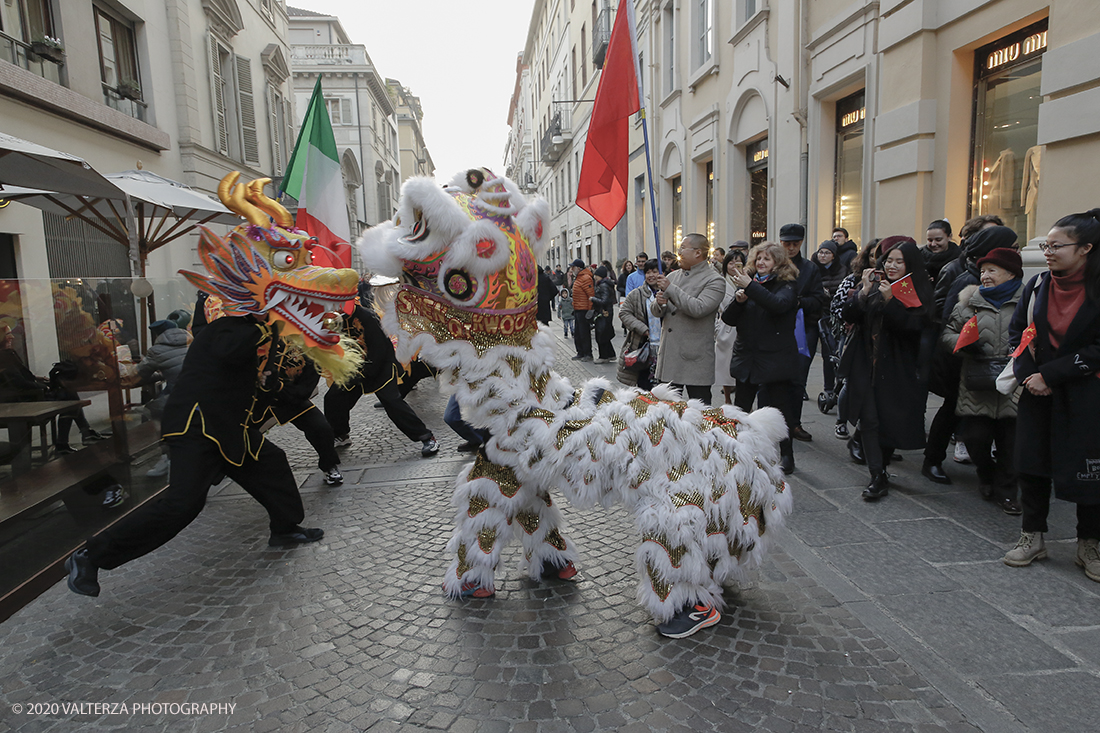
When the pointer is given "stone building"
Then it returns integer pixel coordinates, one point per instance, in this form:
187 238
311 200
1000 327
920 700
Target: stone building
187 89
364 120
414 156
878 116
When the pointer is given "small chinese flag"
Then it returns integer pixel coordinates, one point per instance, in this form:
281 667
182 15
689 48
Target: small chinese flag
968 334
1025 338
905 292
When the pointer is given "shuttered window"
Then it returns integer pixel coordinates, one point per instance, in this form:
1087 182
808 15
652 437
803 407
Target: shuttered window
250 141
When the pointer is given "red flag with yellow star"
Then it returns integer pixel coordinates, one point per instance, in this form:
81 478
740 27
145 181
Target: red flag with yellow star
904 291
1025 338
968 334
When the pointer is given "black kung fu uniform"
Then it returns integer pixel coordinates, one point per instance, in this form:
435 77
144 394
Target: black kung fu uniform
297 377
207 426
378 374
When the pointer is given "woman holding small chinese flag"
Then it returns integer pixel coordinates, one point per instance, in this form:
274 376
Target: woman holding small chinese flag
886 389
978 332
1058 323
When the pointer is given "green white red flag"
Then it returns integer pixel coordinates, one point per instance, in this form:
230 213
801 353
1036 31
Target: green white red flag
314 179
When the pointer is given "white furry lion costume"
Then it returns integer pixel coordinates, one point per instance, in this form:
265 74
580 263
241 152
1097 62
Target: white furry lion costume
703 484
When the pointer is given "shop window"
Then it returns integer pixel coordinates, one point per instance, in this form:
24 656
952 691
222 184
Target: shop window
1006 157
851 113
677 223
756 157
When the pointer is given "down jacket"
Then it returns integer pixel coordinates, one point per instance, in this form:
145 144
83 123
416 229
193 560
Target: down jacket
992 342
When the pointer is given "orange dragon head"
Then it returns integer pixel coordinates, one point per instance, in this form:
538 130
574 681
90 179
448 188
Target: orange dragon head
465 257
264 269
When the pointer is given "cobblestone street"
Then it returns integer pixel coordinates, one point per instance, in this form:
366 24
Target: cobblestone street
897 616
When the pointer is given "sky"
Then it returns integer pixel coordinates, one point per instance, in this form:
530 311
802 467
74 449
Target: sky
458 57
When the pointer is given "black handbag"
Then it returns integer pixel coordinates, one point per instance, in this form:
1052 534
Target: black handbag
980 373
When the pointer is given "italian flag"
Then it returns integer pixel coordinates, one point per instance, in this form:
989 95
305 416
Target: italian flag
314 179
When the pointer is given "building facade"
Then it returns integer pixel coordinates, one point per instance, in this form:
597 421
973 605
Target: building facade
364 120
413 151
876 116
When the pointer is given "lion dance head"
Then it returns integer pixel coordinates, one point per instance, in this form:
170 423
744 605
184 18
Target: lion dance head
464 255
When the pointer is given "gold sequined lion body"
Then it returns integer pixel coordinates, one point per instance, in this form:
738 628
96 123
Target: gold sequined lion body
703 484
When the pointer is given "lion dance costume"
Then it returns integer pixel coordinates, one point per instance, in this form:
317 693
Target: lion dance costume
703 484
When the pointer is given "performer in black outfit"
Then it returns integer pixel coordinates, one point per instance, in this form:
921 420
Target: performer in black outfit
378 375
209 431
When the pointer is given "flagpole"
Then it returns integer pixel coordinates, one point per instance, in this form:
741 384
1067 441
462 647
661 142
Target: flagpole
652 195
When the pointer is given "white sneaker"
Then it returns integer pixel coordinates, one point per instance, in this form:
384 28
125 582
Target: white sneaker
162 467
962 455
343 441
333 477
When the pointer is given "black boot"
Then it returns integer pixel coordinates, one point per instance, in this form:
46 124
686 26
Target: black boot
878 488
786 456
855 449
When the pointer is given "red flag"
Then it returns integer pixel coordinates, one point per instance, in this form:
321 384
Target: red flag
968 334
904 291
1025 338
602 186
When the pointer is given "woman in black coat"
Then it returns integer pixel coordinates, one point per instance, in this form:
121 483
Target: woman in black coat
1057 441
886 391
765 355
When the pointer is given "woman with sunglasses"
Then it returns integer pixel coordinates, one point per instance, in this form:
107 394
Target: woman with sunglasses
1057 443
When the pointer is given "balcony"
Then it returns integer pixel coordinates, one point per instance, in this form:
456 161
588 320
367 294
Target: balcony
601 37
557 138
16 52
328 55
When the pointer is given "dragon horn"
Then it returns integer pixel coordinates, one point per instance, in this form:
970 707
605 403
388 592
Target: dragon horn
232 196
272 207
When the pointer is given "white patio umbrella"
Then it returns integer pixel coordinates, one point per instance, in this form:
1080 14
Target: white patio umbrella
23 163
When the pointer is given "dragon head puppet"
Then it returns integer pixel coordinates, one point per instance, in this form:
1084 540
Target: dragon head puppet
263 268
465 256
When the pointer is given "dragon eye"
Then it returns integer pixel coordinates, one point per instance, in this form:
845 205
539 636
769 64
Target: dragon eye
283 260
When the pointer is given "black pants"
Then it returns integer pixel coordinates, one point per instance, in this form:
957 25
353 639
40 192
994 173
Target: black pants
320 435
979 434
942 428
582 333
196 463
785 397
1035 501
339 401
877 454
699 392
605 331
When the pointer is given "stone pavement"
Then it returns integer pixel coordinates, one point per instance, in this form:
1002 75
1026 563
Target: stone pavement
897 616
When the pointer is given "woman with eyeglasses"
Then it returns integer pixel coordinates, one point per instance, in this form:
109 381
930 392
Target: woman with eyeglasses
1057 441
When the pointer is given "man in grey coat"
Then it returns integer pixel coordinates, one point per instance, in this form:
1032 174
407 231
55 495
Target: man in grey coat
686 303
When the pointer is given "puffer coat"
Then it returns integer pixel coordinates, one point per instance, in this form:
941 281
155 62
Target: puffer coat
992 342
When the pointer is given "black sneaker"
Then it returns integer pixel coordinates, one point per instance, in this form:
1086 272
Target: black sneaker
689 620
298 536
82 574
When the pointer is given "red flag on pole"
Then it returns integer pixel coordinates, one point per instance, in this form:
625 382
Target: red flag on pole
968 334
1025 338
904 291
602 186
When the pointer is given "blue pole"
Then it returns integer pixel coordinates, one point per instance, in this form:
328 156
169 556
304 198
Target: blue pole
652 195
